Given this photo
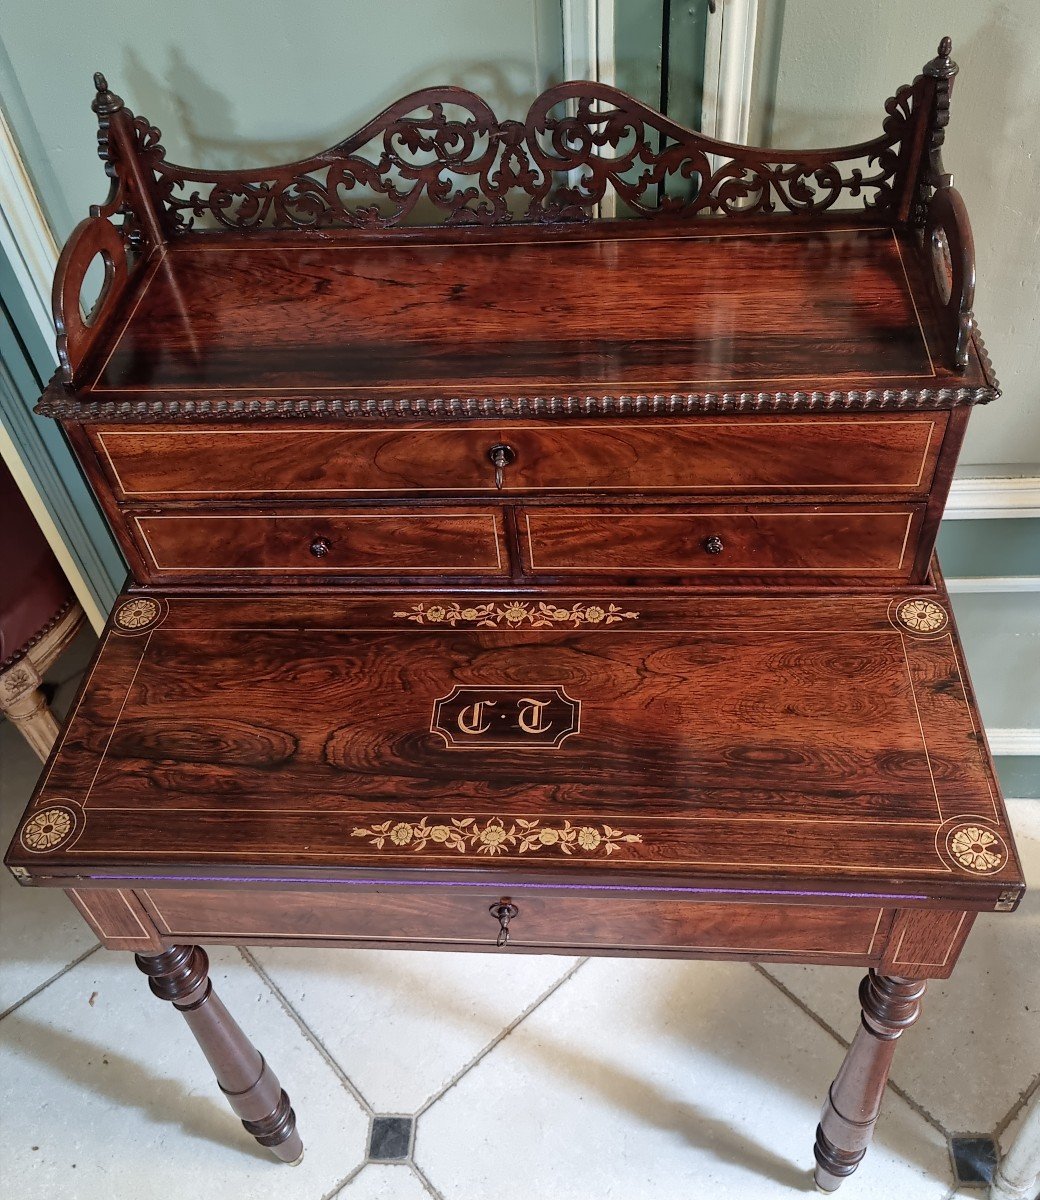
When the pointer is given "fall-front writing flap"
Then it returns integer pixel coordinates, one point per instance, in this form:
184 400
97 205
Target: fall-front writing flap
716 739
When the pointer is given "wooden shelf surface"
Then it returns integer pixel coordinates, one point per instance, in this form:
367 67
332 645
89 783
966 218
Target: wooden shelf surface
614 310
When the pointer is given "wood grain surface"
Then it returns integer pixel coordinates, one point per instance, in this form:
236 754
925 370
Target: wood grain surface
892 457
802 740
688 540
330 542
546 921
521 315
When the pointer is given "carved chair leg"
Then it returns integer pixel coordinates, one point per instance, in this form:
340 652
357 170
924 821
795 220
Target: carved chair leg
23 702
181 975
889 1005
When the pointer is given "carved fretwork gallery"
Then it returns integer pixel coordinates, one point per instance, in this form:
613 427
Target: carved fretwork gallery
508 578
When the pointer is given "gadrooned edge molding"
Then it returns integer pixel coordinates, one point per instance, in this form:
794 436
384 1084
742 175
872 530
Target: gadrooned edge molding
59 403
984 360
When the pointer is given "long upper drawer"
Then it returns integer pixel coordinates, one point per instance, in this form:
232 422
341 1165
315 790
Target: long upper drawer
892 456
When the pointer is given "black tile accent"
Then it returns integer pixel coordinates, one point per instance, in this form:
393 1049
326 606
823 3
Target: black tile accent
390 1139
974 1157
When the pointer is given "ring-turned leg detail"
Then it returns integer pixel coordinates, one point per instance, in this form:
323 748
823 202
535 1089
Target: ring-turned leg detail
889 1005
181 975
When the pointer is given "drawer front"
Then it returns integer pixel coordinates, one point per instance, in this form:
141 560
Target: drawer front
548 922
688 541
894 455
323 543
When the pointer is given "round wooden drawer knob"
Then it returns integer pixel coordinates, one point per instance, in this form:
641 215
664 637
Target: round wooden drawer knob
320 546
713 544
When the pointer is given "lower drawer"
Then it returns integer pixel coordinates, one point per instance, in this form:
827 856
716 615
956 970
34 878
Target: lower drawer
313 541
872 541
542 921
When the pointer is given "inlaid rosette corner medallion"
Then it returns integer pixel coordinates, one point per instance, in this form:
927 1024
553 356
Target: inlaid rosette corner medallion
976 848
48 829
499 835
137 615
921 616
476 718
516 614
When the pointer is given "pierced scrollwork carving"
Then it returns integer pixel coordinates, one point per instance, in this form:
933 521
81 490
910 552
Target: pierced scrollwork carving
614 143
441 154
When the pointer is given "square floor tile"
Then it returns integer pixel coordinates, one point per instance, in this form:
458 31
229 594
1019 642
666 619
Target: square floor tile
974 1159
642 1079
106 1094
390 1138
400 1023
977 1044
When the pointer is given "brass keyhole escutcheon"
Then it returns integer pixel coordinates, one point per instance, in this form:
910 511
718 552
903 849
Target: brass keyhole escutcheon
501 456
320 546
713 544
503 911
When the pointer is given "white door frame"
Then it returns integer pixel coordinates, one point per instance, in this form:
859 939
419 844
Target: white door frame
729 60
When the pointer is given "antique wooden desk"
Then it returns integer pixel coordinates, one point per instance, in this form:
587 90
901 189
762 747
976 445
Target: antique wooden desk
531 583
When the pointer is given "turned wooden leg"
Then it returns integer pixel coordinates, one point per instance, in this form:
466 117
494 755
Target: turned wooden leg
181 975
889 1005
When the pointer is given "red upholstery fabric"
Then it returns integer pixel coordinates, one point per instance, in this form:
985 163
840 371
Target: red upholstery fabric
33 588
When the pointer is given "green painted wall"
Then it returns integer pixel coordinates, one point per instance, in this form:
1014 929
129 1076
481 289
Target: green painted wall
832 76
974 549
1001 635
1019 776
233 84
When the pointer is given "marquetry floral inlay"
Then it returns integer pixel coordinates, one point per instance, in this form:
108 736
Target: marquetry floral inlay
466 835
47 829
922 616
136 614
976 848
516 613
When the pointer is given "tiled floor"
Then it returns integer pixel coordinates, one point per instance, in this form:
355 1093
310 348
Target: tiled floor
526 1076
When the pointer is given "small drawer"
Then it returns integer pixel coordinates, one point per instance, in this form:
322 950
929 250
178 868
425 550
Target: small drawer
315 542
542 921
890 456
654 541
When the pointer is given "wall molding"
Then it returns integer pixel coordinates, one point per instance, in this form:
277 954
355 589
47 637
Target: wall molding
1014 741
994 583
979 497
25 235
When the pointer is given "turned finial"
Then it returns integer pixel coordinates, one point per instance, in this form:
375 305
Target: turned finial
942 66
105 102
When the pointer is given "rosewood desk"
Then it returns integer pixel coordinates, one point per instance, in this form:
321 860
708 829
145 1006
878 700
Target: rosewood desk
530 583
